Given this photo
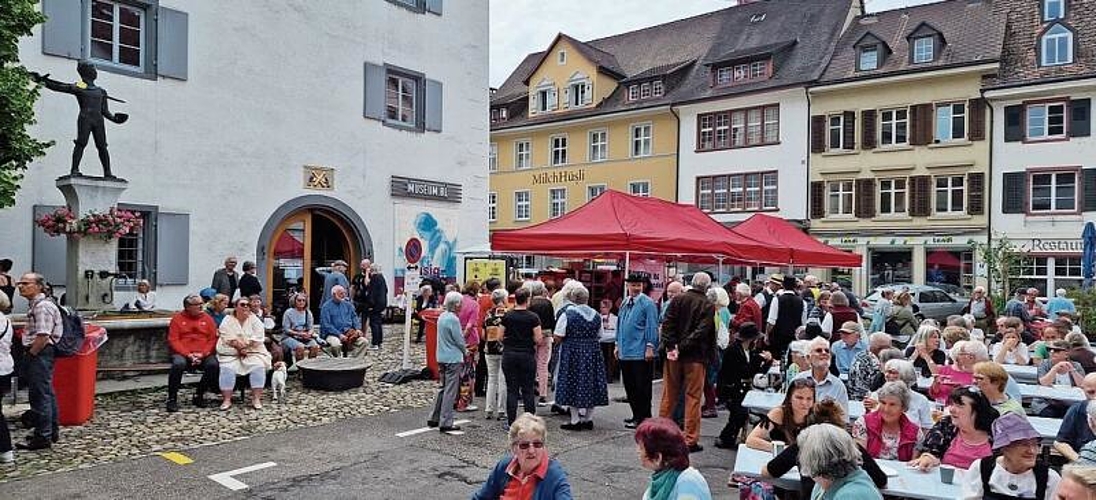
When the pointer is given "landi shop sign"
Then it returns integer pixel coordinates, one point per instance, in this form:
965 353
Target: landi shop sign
559 177
1038 245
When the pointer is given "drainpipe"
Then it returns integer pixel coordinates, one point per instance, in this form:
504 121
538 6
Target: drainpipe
989 188
677 157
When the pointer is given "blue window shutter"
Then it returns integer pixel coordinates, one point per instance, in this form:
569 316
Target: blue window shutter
172 249
434 6
49 254
171 43
374 91
433 105
63 31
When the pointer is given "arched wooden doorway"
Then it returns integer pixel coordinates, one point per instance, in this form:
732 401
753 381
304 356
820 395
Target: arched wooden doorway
301 250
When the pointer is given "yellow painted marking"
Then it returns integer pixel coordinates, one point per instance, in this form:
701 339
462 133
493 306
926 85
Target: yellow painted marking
178 458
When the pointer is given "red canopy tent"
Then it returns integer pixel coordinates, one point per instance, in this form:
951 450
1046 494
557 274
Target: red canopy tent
804 249
616 224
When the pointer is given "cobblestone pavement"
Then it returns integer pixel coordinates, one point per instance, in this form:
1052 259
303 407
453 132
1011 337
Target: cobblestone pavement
134 424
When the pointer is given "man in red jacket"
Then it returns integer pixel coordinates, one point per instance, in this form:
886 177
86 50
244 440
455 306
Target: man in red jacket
192 336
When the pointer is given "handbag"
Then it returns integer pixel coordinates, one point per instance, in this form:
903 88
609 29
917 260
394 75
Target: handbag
722 334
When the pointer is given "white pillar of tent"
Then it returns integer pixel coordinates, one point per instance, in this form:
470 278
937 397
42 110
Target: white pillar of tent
627 266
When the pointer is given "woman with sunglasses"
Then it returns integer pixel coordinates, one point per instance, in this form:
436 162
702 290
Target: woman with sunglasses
962 436
240 352
526 473
1015 470
784 422
662 450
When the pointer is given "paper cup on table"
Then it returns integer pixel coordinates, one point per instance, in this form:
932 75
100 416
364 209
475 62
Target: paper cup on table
778 447
947 474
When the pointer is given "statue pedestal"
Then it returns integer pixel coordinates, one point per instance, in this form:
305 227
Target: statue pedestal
92 261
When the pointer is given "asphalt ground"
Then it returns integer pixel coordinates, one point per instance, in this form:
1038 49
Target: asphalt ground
363 458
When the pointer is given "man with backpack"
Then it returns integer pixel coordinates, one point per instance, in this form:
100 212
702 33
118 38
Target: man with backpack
44 328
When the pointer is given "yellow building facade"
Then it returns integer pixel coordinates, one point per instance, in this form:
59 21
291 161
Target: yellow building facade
927 198
567 149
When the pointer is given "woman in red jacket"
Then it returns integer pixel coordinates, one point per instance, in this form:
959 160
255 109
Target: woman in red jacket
887 433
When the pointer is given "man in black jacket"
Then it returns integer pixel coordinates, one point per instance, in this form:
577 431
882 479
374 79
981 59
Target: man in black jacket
370 294
688 337
741 361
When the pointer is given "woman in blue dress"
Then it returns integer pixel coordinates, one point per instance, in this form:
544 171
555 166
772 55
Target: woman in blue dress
581 384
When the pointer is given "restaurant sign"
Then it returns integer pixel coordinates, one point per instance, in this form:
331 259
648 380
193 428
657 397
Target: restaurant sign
1059 246
406 187
560 177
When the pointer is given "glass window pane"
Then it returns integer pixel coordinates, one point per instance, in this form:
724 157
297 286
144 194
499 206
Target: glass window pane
101 30
129 55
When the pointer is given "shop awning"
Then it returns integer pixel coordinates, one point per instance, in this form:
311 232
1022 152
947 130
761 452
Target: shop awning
804 250
615 224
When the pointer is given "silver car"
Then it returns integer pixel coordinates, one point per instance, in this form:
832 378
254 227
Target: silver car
928 301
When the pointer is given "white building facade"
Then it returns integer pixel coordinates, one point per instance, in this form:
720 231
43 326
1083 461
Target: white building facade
732 183
1045 178
291 134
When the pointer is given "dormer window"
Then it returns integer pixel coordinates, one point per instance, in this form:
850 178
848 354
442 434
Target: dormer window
633 92
544 98
656 88
498 115
1056 46
924 49
579 91
645 90
756 18
868 58
744 72
1054 9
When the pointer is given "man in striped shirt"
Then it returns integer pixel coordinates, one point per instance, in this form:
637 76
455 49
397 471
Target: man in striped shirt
43 330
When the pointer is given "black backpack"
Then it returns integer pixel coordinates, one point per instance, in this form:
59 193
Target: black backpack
72 334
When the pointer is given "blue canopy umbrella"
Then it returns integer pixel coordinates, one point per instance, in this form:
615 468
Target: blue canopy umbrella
1088 254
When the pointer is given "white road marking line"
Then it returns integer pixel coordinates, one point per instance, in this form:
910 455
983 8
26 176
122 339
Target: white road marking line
225 478
428 429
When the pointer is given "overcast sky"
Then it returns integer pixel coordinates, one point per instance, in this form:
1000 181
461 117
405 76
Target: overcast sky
519 27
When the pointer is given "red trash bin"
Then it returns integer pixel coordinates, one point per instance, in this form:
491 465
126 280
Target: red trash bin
430 316
74 379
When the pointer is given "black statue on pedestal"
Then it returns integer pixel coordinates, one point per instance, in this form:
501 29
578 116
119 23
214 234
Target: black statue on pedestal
93 109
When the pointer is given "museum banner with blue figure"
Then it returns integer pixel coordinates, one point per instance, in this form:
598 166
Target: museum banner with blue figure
426 237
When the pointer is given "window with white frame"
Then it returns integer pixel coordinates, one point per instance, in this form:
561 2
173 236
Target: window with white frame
599 145
868 58
950 194
892 196
836 132
645 90
840 197
633 92
951 122
544 99
706 134
753 126
1053 192
578 93
1068 272
737 192
1054 9
401 99
1046 121
117 33
656 88
739 128
594 190
522 203
493 158
640 188
723 75
523 154
771 130
1056 46
492 206
923 49
559 150
561 58
557 202
722 129
641 140
893 127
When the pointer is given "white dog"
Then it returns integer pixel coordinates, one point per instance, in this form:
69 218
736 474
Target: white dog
277 382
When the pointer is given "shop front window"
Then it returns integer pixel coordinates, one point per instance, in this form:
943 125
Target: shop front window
891 267
949 270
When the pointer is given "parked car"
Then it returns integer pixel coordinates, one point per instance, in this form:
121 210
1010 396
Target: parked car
928 301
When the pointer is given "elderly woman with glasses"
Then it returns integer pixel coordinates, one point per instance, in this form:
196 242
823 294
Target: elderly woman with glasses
829 456
1015 471
297 323
662 450
240 352
964 355
991 379
527 472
